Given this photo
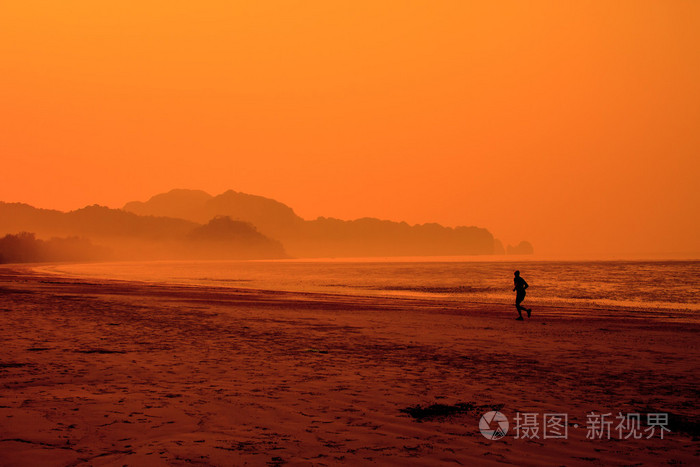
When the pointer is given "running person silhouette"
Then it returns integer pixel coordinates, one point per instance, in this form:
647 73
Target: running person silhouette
520 286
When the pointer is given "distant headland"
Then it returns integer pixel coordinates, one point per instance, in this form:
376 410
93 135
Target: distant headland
192 224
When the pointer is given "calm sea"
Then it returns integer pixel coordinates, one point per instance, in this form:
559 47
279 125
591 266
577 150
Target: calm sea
668 287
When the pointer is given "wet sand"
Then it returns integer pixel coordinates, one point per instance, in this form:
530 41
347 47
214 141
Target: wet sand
128 373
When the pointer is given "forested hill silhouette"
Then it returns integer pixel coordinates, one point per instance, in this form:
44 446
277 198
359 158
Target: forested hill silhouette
322 237
128 236
267 215
167 226
24 247
91 221
206 241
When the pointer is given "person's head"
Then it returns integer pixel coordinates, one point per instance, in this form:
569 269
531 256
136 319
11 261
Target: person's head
517 273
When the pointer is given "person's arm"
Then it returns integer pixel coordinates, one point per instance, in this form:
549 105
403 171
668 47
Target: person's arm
525 286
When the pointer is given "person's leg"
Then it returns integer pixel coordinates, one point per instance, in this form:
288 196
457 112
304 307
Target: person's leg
518 299
529 310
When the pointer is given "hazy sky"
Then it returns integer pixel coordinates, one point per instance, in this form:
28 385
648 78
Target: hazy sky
573 124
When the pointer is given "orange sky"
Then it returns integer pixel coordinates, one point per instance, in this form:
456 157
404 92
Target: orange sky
571 124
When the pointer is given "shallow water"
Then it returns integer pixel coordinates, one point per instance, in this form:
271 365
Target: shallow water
663 286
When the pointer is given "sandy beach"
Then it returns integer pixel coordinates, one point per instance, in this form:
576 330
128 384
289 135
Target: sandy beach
130 373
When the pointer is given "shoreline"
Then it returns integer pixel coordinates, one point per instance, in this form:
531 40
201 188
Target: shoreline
111 372
559 307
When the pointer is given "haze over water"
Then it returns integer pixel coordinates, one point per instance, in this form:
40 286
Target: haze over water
662 288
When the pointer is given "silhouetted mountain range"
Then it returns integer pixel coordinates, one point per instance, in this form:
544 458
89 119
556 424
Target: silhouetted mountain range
91 221
194 224
130 236
269 216
322 237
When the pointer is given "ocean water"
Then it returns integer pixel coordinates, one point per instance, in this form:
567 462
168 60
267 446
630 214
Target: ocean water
668 287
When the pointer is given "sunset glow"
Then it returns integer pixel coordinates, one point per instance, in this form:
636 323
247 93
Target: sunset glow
334 232
570 124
